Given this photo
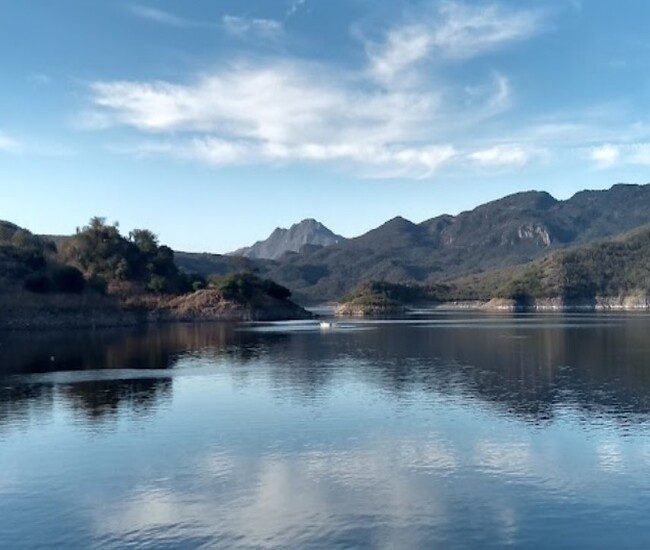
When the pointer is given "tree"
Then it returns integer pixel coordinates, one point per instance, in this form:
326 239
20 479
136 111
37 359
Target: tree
102 253
145 240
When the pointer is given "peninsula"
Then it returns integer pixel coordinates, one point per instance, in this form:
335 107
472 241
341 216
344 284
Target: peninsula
99 277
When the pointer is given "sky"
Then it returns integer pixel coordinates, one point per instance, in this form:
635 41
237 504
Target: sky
211 122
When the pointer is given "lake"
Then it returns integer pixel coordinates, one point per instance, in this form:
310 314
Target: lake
449 430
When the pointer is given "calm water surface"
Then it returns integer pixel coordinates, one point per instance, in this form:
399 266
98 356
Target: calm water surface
446 430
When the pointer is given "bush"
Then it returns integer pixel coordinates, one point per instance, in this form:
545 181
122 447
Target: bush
242 287
98 284
191 282
38 282
198 285
157 284
275 290
239 287
68 279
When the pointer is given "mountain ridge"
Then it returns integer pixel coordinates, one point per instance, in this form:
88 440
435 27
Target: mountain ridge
508 231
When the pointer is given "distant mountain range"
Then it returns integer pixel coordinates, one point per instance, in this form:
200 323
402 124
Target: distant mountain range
307 233
507 232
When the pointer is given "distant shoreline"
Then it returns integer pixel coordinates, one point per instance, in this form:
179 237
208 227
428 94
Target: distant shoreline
598 304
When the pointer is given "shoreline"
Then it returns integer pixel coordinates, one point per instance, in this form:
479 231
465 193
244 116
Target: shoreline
82 320
597 304
28 319
24 312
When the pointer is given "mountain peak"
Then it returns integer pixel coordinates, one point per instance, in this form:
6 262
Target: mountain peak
308 232
538 200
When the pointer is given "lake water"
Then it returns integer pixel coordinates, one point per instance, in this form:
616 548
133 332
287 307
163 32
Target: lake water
445 430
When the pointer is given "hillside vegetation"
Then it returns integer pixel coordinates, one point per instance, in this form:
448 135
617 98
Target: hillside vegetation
619 267
614 268
500 234
133 264
99 275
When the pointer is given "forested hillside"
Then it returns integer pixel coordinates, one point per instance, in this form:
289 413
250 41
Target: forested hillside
619 267
615 268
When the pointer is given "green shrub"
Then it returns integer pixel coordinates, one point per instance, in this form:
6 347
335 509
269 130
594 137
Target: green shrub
243 287
68 279
275 290
39 283
157 284
198 285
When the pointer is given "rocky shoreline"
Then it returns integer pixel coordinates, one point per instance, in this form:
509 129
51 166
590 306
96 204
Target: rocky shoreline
601 303
201 306
355 310
205 306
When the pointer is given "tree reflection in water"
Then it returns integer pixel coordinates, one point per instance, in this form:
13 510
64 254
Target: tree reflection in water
526 365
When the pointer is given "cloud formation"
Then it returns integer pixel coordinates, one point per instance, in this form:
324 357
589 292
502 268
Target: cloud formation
605 155
244 26
280 110
9 144
453 32
610 155
161 17
502 155
294 6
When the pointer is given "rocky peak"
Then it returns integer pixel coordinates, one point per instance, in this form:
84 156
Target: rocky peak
306 232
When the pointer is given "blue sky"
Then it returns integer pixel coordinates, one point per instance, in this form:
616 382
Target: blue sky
212 122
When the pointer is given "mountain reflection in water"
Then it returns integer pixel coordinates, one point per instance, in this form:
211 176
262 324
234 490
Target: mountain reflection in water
447 429
525 364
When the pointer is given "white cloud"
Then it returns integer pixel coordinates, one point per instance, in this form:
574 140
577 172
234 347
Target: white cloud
9 144
294 6
640 154
162 17
608 154
493 97
418 162
502 155
605 155
39 79
33 147
454 31
468 31
403 47
243 26
279 112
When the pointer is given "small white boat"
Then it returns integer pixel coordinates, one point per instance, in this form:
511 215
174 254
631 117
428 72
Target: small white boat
326 324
